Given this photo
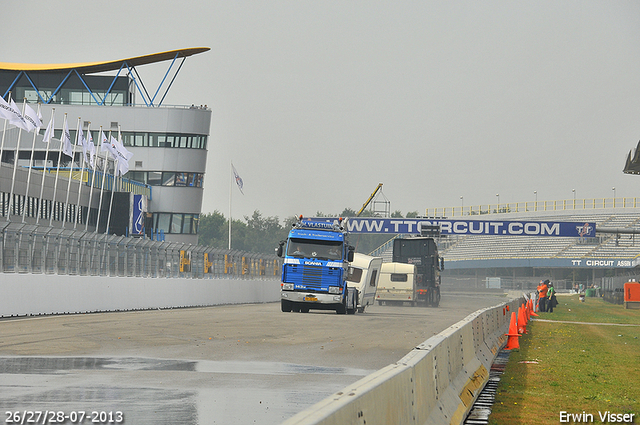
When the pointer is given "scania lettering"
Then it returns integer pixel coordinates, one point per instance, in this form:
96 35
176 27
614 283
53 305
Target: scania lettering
316 268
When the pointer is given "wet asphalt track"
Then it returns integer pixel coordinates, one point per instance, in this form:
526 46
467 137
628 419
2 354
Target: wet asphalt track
239 364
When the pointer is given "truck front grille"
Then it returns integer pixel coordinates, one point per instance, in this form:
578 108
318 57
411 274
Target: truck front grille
312 277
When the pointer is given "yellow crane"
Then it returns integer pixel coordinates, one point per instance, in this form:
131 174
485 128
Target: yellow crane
369 200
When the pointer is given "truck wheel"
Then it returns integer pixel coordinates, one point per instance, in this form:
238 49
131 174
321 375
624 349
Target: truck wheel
341 309
304 309
360 310
285 306
436 299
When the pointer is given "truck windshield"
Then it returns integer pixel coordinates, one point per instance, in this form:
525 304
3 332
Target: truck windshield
327 250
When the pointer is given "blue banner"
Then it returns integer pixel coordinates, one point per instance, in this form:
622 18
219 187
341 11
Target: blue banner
468 227
139 208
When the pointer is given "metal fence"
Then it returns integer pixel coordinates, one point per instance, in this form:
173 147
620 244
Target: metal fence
534 207
36 249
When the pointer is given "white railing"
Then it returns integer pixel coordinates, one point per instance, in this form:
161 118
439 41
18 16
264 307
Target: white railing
534 206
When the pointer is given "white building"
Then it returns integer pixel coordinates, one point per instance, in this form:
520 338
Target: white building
169 146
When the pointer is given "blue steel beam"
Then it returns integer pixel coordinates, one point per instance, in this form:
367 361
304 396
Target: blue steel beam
12 84
172 80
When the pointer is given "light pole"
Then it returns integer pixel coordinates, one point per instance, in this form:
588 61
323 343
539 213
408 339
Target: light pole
498 198
535 205
614 196
462 205
574 198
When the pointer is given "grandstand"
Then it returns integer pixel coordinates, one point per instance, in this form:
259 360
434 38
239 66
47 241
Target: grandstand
522 261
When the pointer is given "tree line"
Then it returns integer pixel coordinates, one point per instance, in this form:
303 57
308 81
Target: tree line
262 234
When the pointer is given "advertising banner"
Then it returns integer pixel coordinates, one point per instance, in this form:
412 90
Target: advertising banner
138 211
410 226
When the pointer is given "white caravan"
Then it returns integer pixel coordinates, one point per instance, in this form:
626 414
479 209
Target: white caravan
364 272
397 283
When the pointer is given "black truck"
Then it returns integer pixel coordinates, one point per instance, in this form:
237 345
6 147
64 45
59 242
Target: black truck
423 252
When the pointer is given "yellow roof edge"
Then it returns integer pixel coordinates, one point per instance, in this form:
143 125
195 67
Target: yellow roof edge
95 67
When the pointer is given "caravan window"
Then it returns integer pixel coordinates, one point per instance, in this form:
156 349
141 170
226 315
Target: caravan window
372 282
355 274
398 277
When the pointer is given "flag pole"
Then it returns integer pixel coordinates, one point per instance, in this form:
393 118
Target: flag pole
15 167
84 154
4 133
31 159
104 175
113 187
93 177
55 184
230 191
44 170
73 158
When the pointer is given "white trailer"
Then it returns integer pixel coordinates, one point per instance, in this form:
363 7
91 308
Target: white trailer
397 283
364 272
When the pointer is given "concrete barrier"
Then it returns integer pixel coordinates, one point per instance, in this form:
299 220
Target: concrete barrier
436 383
36 294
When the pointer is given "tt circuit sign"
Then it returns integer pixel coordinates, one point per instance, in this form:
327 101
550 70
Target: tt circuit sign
409 226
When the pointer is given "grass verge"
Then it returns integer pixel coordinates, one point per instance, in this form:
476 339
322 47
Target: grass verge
575 368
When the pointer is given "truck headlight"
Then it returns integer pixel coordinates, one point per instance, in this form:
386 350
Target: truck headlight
335 290
287 286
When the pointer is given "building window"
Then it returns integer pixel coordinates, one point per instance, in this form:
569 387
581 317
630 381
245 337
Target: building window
167 178
176 223
163 222
154 178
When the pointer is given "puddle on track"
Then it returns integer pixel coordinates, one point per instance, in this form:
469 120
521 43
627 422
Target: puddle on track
165 391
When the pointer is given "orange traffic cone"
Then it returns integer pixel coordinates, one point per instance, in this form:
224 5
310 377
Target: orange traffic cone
512 341
531 312
522 321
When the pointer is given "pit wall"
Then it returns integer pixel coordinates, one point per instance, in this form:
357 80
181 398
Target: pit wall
37 294
436 383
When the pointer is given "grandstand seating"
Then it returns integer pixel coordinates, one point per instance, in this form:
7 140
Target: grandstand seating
605 245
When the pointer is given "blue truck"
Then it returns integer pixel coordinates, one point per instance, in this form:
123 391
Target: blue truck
315 268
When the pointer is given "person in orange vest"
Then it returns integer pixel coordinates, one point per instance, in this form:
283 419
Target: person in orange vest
542 295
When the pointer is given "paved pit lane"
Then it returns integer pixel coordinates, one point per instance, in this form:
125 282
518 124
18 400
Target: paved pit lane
240 364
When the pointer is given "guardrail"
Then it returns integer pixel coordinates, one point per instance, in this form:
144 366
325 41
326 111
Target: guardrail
47 250
535 206
436 383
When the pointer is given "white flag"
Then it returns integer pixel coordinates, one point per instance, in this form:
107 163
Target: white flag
82 142
122 155
6 111
16 117
48 133
239 181
31 118
105 146
92 151
67 149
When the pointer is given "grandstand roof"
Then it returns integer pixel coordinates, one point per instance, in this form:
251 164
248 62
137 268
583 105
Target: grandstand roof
102 66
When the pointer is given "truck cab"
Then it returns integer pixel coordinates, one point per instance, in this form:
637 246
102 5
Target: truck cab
423 253
315 268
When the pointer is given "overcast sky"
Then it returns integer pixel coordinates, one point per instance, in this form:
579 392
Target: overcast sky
318 102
